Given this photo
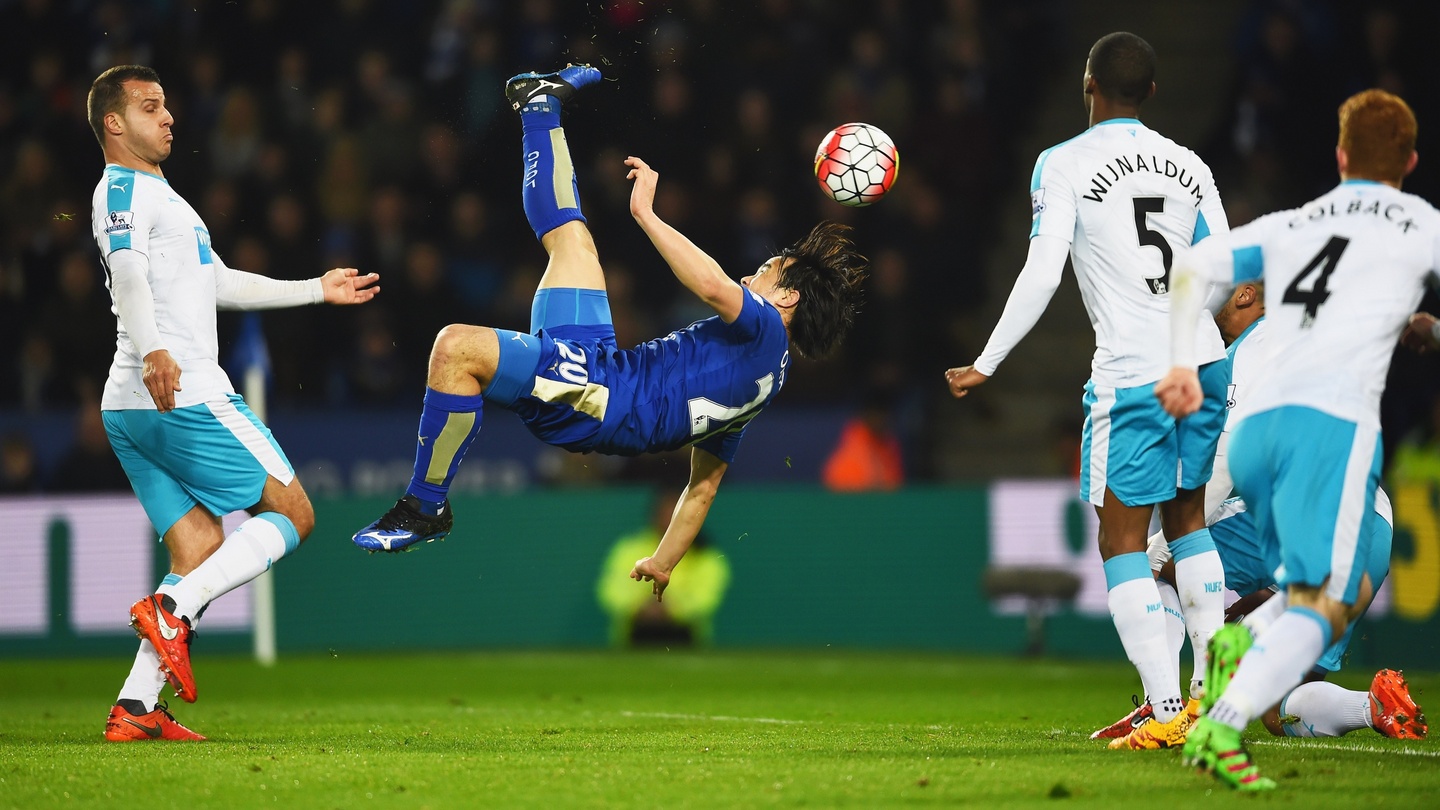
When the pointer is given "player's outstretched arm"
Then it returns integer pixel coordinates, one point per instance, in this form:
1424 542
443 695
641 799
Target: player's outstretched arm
700 274
236 289
706 470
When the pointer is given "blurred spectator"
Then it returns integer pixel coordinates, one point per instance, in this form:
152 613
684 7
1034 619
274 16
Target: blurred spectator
235 142
79 327
18 471
867 455
687 615
90 464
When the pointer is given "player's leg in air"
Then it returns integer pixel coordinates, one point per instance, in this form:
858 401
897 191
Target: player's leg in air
224 468
470 364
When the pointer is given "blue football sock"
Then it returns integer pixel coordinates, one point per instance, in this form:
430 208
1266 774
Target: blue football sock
549 192
449 423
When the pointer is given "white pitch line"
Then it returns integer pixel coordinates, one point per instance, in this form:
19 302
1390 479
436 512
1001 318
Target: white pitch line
1361 748
721 717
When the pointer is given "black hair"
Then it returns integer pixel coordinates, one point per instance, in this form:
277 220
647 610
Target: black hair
825 269
1123 66
107 94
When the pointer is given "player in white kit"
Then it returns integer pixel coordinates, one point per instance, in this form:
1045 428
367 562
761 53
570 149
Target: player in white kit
192 449
1343 274
1316 708
1122 199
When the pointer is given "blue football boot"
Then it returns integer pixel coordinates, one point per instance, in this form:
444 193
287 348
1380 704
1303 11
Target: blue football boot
560 85
405 525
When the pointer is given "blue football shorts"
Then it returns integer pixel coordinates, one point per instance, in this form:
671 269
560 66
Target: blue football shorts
1250 564
1309 479
551 377
1143 454
217 455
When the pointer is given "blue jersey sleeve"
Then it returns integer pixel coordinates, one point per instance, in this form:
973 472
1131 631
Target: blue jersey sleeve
751 320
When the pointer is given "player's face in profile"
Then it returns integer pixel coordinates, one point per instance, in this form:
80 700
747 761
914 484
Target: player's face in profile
147 121
765 280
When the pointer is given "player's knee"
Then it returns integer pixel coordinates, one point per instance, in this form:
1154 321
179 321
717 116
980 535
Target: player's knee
452 346
303 517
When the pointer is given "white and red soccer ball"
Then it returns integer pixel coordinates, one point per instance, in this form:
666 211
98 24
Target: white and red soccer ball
856 164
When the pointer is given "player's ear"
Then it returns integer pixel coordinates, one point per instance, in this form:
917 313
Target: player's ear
1410 164
1150 94
1342 160
787 297
112 123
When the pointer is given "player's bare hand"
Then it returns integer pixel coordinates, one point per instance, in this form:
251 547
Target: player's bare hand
642 194
1246 605
1419 336
961 380
162 379
648 570
345 285
1179 392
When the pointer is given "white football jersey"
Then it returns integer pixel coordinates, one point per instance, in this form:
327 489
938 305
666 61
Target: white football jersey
135 210
1342 276
1246 366
1126 198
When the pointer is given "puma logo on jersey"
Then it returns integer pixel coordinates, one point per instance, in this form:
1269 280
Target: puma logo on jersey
118 186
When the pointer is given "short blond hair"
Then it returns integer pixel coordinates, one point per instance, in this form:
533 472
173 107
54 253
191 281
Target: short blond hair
1377 132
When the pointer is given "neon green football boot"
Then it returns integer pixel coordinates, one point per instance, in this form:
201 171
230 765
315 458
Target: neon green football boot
1215 747
1227 647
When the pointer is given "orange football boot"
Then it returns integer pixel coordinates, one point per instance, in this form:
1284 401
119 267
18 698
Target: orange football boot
1128 723
154 618
160 724
1392 711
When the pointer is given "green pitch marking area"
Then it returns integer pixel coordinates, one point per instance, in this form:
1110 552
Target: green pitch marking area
654 729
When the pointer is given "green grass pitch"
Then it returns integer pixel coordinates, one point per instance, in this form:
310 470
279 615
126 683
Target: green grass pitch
654 729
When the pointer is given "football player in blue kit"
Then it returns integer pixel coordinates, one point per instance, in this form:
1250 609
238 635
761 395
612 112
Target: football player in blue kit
570 383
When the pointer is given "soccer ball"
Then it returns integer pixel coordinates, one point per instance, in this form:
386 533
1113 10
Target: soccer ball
856 164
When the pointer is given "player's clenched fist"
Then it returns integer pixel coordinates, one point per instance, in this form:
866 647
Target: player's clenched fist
1179 392
961 380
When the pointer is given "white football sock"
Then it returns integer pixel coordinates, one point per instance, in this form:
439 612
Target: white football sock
1200 581
1174 622
1323 709
145 679
1140 620
1275 664
1260 619
247 553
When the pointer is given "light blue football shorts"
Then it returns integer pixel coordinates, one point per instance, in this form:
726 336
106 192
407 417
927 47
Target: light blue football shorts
1143 454
216 454
1309 481
1250 564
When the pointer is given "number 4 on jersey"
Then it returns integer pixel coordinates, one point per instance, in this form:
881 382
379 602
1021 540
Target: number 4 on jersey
1325 261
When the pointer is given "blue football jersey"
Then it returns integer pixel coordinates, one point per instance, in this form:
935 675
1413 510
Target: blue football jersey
700 385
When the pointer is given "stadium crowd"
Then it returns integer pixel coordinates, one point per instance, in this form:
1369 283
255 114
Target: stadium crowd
374 134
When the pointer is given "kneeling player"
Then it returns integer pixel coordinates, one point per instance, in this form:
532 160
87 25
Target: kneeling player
570 383
1316 708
